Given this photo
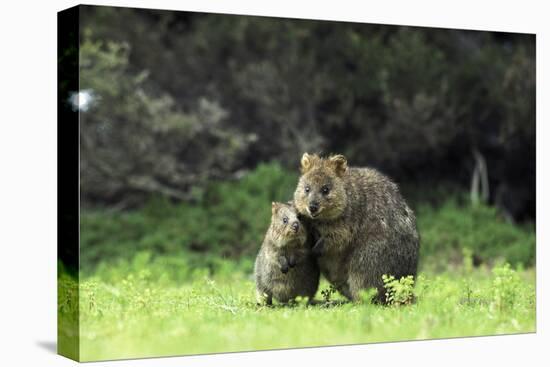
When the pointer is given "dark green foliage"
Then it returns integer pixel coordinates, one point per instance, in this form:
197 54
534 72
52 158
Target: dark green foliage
414 102
136 142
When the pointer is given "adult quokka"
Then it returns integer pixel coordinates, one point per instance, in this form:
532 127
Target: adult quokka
366 226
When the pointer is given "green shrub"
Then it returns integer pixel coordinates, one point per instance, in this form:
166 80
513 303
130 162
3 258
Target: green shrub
227 220
451 227
399 291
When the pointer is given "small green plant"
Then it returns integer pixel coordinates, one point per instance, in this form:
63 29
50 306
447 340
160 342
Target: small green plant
468 292
399 292
506 286
467 268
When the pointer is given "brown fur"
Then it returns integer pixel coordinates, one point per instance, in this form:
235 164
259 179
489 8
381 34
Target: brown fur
367 227
284 267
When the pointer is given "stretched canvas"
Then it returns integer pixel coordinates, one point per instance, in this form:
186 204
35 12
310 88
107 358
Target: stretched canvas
234 183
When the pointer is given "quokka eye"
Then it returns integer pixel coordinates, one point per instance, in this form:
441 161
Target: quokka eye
285 220
308 188
325 190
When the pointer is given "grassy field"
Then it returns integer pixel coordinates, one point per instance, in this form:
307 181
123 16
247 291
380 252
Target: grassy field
176 278
147 313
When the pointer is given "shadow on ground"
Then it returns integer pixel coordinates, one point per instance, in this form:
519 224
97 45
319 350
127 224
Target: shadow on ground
50 346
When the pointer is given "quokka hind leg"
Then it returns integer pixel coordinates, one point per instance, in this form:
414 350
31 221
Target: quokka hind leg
344 290
360 286
380 296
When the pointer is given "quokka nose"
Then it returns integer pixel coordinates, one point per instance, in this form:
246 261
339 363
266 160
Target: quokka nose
313 207
295 226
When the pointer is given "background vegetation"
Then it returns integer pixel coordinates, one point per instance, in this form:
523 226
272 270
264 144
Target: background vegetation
179 99
228 220
179 107
191 124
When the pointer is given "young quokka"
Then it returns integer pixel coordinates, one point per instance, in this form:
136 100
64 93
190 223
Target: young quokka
284 267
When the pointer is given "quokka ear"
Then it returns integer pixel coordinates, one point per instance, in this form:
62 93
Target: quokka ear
339 163
275 207
307 161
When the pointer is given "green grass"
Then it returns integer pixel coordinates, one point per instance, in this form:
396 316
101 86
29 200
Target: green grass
148 312
176 278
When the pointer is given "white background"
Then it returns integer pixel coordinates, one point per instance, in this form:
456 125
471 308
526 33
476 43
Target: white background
28 182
